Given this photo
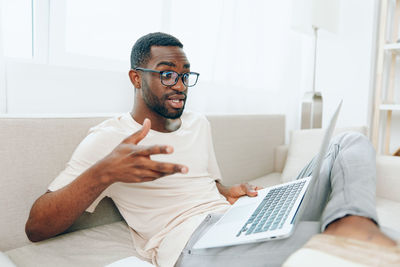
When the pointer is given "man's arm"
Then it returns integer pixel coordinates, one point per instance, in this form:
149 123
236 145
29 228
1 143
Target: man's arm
55 211
233 193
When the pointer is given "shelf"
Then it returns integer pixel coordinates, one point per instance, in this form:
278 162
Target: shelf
387 55
392 47
389 107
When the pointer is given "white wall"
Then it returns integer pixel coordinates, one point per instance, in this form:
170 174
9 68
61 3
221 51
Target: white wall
343 71
345 59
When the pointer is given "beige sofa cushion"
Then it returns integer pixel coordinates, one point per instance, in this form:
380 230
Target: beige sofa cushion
304 145
267 180
388 173
97 246
388 213
280 158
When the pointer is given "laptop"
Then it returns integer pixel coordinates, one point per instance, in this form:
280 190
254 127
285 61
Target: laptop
270 215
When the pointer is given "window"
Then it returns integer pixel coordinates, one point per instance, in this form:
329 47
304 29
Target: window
108 28
16 23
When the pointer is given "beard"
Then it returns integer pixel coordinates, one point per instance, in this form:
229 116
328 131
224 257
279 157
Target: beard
158 105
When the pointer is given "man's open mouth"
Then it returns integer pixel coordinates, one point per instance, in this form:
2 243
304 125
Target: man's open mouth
176 101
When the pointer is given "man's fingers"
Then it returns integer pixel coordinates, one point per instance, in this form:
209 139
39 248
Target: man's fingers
150 174
152 150
138 136
249 189
165 167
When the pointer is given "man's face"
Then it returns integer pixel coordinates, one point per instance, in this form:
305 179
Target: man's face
167 101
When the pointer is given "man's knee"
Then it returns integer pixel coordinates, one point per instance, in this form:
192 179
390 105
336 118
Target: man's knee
355 140
351 137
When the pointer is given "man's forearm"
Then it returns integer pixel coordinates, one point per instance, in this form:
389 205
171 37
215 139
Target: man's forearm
55 211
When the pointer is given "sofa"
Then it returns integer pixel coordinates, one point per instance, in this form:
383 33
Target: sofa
33 150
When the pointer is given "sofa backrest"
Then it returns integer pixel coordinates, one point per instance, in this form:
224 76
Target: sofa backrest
32 153
34 150
244 144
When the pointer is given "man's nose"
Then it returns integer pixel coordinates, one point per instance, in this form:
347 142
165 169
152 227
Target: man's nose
179 86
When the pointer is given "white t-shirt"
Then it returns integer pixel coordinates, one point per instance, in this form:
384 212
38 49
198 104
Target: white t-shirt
162 213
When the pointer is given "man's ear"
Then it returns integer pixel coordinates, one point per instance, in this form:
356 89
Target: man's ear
135 78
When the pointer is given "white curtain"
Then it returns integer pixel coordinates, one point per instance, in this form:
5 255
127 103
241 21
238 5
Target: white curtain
3 95
249 58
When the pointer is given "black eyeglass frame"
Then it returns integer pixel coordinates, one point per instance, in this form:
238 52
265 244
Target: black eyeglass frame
177 78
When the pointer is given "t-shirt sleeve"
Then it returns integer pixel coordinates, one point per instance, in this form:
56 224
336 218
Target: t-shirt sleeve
213 167
93 148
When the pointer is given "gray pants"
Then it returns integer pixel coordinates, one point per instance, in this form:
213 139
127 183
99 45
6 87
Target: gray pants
346 186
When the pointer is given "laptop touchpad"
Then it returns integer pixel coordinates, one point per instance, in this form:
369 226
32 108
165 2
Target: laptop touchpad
236 214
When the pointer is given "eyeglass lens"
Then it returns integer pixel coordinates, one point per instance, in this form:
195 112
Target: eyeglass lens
171 78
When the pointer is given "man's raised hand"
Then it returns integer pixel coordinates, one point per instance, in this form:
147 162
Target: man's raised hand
131 163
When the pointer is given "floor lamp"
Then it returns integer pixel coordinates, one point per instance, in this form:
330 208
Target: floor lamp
309 16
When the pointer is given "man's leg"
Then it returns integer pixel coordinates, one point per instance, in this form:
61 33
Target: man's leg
359 228
349 171
346 182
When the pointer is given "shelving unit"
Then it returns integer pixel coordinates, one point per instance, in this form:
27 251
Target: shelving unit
389 107
388 54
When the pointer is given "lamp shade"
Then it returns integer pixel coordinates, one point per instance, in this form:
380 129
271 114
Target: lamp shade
322 14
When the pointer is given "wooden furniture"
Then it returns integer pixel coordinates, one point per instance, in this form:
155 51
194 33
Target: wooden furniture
384 91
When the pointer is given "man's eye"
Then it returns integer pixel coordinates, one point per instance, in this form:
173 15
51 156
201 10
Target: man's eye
168 75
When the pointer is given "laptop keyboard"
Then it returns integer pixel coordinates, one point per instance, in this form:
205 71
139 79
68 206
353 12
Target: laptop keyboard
273 210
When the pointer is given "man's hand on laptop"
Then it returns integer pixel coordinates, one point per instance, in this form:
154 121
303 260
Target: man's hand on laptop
131 163
233 193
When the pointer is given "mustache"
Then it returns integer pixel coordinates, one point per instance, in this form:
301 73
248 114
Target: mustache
166 96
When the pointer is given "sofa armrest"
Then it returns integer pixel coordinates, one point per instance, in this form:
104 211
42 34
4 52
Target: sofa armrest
388 178
280 155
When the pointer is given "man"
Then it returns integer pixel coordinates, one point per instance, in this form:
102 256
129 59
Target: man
164 202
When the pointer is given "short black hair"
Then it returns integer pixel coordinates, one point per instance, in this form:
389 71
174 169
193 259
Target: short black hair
141 49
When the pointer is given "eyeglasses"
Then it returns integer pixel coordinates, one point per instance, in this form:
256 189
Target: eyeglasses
170 78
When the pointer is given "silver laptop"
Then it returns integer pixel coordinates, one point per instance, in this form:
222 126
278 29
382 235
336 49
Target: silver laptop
270 215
